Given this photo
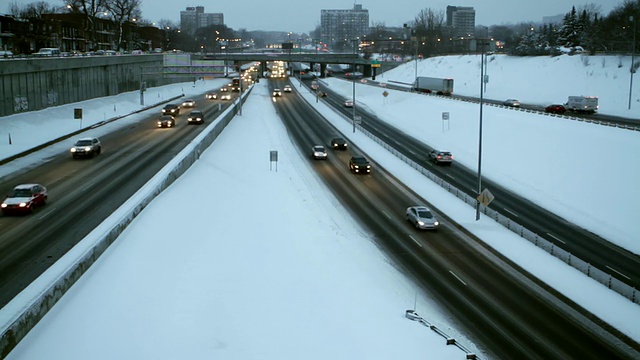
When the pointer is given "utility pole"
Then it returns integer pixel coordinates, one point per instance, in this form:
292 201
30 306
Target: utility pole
480 134
633 51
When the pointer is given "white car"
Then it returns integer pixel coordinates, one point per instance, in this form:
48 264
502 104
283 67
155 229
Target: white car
422 217
287 88
86 147
189 103
348 103
511 102
277 92
319 152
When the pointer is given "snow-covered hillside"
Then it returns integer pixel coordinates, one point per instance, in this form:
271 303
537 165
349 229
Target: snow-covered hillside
540 80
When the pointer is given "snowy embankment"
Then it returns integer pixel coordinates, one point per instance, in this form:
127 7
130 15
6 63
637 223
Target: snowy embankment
538 80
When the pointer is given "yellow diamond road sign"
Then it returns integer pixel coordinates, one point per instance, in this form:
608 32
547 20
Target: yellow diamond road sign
486 197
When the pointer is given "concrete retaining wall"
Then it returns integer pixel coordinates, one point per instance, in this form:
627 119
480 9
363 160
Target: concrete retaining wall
38 83
23 313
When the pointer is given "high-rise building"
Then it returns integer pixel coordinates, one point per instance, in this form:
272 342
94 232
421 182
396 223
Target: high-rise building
194 18
461 20
341 26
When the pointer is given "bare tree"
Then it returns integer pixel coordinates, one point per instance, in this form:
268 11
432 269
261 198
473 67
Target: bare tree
33 10
122 11
89 9
426 29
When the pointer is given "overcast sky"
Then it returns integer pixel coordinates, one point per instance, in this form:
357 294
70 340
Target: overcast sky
298 16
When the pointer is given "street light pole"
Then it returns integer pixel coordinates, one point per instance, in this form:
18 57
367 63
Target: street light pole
354 87
486 61
633 51
416 55
480 136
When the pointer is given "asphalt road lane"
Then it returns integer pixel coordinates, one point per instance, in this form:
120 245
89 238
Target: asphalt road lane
83 192
620 263
498 305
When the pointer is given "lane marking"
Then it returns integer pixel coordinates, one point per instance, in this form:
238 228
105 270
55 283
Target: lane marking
415 241
46 214
618 272
456 276
87 187
555 237
385 214
449 175
510 212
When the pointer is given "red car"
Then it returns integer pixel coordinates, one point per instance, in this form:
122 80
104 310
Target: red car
24 198
555 109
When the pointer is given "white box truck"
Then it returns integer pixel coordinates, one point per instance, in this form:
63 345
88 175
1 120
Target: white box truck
582 104
433 85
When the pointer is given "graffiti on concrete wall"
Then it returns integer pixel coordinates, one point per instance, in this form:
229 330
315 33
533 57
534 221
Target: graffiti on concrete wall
20 103
52 98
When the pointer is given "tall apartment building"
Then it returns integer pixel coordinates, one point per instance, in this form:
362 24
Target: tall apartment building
340 26
194 18
461 20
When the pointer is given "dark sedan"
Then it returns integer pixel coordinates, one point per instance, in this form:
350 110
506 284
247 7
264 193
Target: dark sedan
555 109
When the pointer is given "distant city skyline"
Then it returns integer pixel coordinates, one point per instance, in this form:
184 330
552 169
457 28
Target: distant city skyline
294 16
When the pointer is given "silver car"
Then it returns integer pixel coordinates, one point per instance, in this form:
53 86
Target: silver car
422 218
441 157
511 102
86 147
319 152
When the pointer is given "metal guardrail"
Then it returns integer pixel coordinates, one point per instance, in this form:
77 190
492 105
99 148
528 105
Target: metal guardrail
591 271
41 300
412 315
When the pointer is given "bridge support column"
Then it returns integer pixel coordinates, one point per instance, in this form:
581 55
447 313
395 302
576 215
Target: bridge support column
323 69
366 71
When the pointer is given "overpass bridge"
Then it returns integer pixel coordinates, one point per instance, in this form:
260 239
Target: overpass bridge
311 58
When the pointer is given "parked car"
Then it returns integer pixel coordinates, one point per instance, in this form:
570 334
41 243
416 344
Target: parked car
555 109
211 96
287 88
359 165
422 218
189 103
166 121
319 152
441 156
338 144
348 103
195 117
86 147
277 92
6 54
171 109
511 102
24 198
47 52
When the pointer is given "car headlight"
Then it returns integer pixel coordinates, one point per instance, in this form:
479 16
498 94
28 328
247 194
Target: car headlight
3 205
436 223
22 204
421 223
356 166
72 150
87 148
